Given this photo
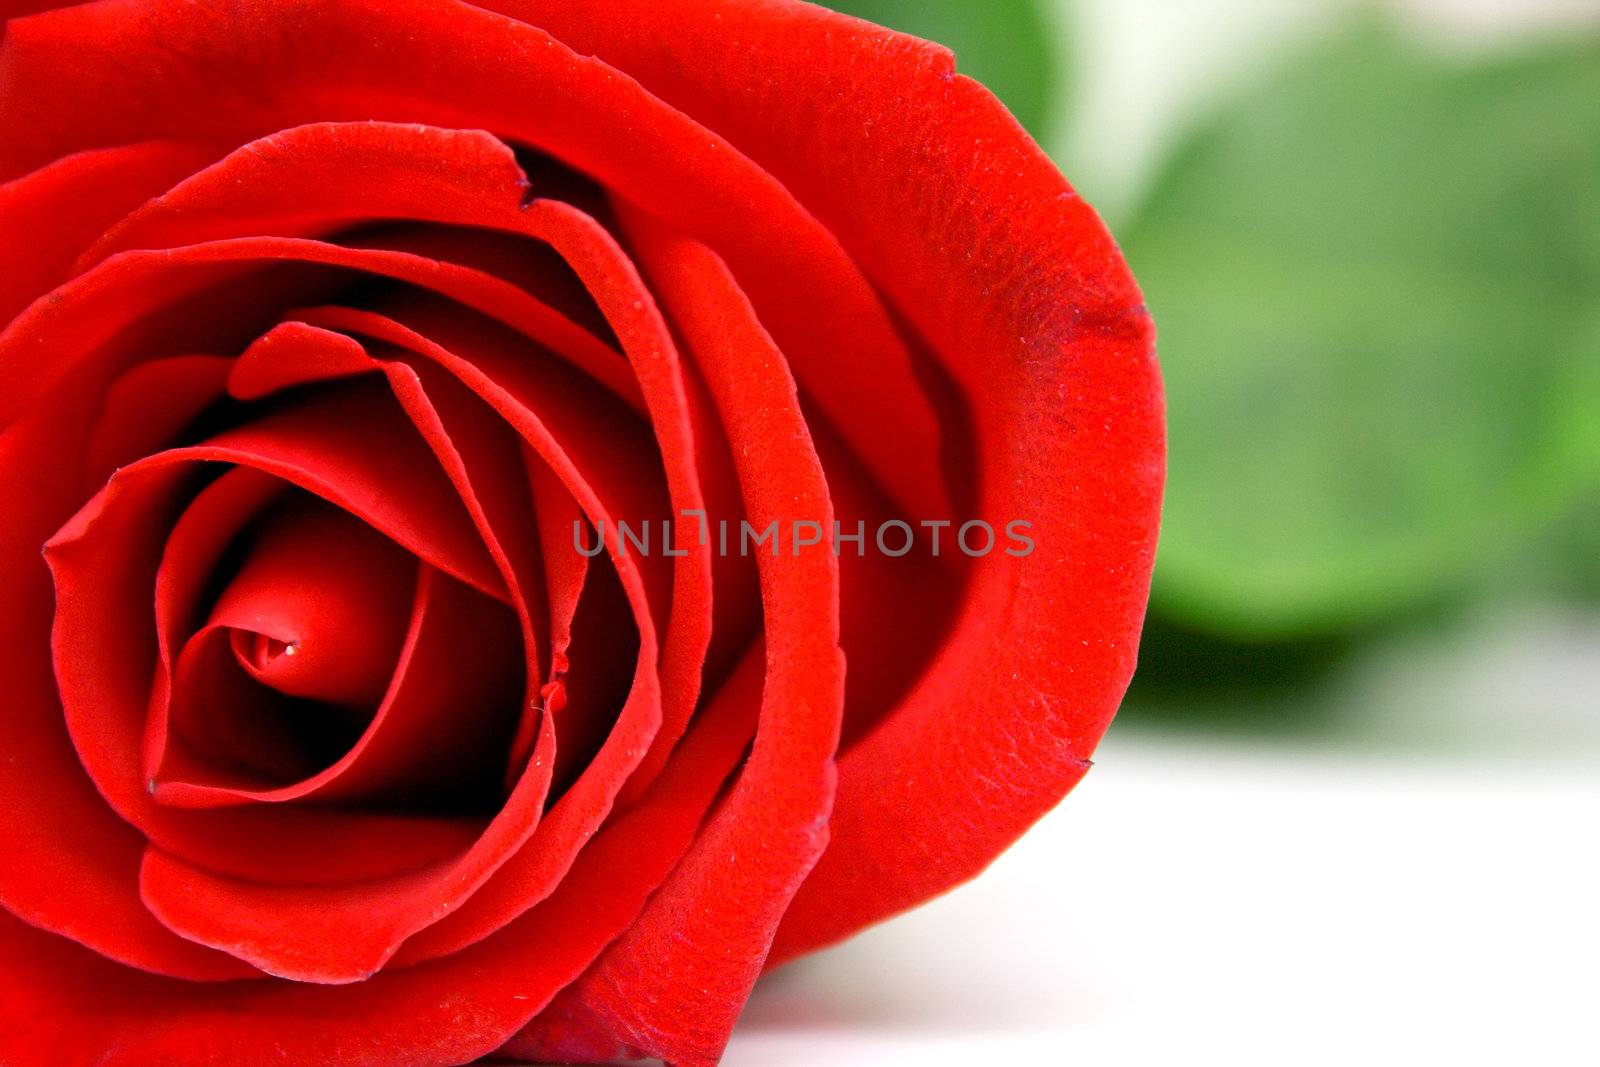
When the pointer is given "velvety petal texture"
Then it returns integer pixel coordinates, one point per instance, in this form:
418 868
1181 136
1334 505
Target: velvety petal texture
494 547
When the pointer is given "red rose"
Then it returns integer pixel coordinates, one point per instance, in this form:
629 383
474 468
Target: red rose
340 331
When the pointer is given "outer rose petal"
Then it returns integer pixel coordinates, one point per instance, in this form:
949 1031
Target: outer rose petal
53 214
72 867
980 244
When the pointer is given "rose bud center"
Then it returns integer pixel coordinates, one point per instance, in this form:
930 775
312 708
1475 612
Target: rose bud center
319 607
299 648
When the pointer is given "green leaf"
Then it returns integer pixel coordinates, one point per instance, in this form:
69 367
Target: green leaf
1376 282
1005 44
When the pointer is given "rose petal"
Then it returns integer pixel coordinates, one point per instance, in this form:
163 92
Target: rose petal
332 593
419 735
71 862
224 729
140 1019
376 59
477 452
529 267
354 171
610 479
986 251
675 982
54 213
93 322
287 930
148 407
105 665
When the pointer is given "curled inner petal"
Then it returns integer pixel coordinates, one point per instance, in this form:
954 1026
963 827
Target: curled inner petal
319 608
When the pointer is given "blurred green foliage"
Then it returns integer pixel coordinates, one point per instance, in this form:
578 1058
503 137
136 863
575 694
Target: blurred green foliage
1376 280
1005 44
1375 274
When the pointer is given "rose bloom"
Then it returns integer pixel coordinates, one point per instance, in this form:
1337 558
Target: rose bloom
327 320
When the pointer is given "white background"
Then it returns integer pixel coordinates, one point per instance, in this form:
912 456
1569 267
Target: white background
1244 905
